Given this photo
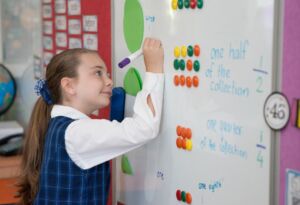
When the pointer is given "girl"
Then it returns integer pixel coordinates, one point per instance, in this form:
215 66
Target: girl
65 158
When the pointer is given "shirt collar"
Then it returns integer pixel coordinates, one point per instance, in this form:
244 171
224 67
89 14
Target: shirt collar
66 111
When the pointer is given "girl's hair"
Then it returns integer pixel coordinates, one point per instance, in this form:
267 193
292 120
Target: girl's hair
62 65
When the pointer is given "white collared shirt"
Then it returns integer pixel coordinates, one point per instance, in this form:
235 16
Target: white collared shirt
90 142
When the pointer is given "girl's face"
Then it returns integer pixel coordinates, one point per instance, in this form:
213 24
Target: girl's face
94 86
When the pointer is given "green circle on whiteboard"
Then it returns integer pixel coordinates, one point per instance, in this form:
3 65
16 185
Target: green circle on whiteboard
133 82
133 24
126 166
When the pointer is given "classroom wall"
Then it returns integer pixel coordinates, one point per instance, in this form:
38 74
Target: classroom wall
20 26
290 137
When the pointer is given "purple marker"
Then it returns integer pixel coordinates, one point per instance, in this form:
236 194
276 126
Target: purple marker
130 58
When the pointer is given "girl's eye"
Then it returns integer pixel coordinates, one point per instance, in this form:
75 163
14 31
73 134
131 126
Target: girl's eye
99 73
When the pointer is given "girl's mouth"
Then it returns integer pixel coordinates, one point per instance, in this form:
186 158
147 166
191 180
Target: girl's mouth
107 93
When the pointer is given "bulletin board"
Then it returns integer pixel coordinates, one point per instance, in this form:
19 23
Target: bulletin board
214 146
71 24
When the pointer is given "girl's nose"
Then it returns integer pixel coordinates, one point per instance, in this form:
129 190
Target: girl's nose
108 82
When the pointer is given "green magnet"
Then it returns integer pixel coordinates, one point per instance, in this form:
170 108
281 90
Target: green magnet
187 4
180 4
200 4
196 65
182 64
183 196
176 64
190 51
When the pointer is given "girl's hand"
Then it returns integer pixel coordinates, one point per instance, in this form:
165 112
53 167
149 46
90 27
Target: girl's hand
153 55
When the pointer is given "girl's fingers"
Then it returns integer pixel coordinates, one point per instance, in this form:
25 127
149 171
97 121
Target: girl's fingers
152 43
147 42
158 44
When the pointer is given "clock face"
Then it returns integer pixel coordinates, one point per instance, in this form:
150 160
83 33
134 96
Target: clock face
276 111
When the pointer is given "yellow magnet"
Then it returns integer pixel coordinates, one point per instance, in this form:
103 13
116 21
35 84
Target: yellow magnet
174 4
183 51
176 52
189 145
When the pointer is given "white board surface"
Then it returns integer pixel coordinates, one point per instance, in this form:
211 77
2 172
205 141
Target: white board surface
230 159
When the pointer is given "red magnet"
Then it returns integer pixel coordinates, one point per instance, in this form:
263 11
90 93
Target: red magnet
193 4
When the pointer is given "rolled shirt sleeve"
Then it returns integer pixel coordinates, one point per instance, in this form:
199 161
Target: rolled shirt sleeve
90 142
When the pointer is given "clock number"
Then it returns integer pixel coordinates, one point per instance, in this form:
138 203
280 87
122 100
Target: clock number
277 113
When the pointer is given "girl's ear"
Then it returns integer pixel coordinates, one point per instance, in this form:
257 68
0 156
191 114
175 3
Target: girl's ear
68 86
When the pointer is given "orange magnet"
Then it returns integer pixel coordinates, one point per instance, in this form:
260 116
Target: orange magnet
184 143
183 132
197 50
188 198
189 64
188 133
195 81
189 81
178 130
182 80
179 142
176 80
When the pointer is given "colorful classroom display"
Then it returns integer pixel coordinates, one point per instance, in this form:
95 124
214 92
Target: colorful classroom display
66 25
214 146
71 24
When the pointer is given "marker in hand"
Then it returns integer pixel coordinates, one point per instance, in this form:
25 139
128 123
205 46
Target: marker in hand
130 58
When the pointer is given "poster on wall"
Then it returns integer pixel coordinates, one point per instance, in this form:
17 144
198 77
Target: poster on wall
90 41
75 43
60 6
48 27
37 67
74 7
90 23
60 23
292 187
74 26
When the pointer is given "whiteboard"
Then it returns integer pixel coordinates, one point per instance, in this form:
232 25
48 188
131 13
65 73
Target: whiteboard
230 160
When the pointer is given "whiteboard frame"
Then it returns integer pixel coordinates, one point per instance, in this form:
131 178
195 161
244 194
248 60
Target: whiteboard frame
277 83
